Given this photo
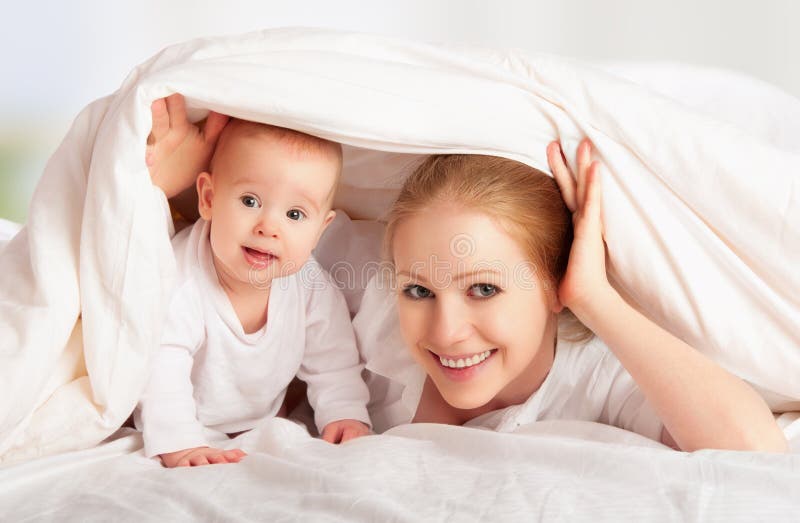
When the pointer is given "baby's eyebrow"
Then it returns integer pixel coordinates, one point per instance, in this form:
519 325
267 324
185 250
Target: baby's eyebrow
245 181
311 201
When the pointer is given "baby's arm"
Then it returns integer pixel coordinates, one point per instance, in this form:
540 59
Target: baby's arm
331 363
701 404
169 423
177 150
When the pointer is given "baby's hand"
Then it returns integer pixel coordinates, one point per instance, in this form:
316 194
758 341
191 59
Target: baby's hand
177 151
585 283
343 430
201 456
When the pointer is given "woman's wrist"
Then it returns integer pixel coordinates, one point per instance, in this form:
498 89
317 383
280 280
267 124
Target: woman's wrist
594 305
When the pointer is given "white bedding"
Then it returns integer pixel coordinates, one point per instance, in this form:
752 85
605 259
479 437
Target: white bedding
703 218
551 471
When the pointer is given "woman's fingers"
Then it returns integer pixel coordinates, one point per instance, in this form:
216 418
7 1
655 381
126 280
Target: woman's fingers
562 174
589 221
593 199
582 197
584 160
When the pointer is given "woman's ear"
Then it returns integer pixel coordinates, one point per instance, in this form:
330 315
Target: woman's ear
556 305
552 297
205 195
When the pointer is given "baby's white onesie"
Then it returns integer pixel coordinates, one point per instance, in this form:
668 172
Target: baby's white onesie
209 373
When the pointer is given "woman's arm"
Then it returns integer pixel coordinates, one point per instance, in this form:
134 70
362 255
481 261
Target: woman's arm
701 404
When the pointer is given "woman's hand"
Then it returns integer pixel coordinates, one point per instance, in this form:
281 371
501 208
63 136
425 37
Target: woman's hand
585 283
177 150
686 388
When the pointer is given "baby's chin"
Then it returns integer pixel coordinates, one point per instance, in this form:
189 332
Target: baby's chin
264 276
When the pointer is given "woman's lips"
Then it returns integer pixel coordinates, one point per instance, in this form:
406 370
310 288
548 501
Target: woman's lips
462 369
257 258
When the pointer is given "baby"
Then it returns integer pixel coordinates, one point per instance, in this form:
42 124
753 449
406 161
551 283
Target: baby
252 308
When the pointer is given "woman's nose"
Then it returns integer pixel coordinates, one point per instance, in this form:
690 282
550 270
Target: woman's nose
449 324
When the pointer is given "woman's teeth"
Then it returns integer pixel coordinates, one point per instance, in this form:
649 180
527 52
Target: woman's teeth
463 363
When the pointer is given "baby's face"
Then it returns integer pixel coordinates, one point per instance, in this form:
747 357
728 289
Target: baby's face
268 206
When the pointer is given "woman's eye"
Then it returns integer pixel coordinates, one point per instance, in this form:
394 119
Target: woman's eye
296 215
483 290
417 292
250 201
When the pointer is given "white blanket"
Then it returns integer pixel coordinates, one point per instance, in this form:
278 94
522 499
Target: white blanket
702 217
550 471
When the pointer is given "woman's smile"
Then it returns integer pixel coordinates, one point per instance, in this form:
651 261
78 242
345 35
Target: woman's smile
462 367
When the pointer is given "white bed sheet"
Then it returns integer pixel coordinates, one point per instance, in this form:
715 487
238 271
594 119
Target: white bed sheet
550 471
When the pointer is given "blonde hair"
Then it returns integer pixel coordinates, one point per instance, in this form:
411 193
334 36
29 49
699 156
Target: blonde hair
524 200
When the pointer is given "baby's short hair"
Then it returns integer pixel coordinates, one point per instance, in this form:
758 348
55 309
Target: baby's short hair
299 143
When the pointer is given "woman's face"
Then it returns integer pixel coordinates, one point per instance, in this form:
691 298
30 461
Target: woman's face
472 307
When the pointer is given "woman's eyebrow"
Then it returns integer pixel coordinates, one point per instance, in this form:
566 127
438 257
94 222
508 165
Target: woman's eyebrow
463 275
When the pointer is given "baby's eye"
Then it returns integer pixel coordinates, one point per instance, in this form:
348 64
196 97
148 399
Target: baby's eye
483 290
250 201
296 215
417 292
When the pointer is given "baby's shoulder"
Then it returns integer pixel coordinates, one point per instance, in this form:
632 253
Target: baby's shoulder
188 271
185 243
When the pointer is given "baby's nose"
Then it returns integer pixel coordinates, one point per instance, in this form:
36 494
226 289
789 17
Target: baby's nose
267 226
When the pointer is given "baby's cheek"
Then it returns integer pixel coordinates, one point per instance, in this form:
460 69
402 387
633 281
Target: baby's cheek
299 249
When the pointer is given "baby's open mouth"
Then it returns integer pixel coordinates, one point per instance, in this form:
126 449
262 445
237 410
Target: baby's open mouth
257 256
